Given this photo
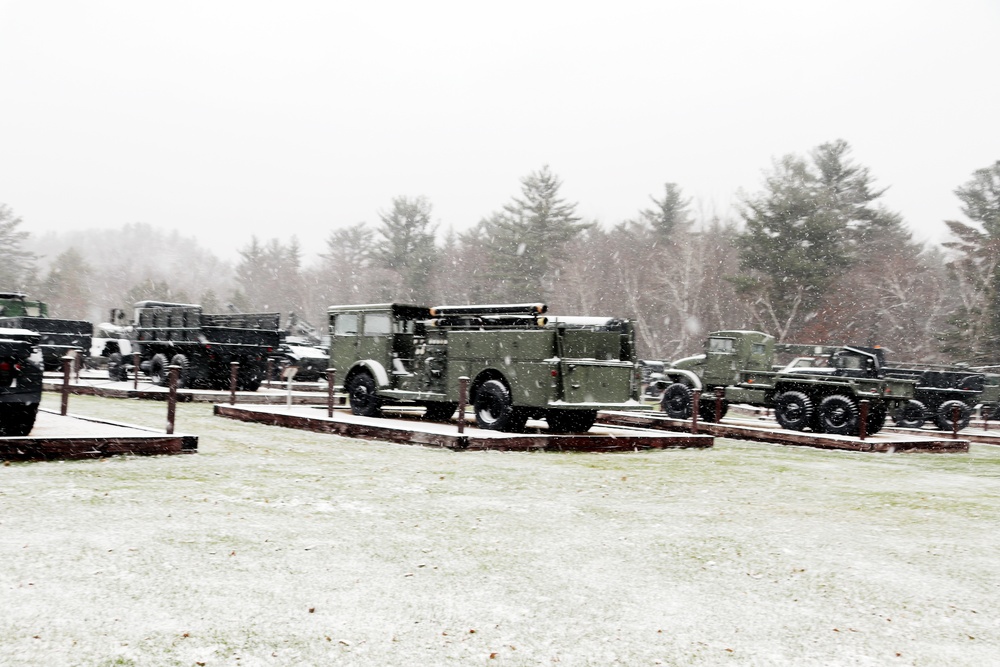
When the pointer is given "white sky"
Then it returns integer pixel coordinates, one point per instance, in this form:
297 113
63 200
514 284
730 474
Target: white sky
224 119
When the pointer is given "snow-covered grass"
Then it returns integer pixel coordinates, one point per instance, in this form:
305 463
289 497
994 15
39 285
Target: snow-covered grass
280 547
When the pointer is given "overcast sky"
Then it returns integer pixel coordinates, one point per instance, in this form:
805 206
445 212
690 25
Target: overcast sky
225 119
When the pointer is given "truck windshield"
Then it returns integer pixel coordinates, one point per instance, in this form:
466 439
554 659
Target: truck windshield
723 345
377 324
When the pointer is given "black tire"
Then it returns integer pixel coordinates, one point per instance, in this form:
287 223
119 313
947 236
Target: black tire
570 421
913 414
676 401
116 367
494 408
249 377
838 414
793 410
158 370
876 419
942 417
17 419
362 393
184 374
440 412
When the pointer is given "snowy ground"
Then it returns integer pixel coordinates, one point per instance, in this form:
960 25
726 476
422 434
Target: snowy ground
280 547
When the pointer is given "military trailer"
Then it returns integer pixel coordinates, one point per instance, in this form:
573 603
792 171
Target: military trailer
203 345
825 400
521 365
57 336
20 381
940 391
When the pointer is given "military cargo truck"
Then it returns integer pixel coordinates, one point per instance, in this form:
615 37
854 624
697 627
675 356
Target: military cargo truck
203 345
826 400
521 365
57 336
20 381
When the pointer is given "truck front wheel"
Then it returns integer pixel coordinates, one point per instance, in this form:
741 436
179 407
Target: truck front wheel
838 414
362 392
677 401
158 370
494 408
793 410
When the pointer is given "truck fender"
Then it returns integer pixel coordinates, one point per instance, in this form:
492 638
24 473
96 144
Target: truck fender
125 347
374 368
674 374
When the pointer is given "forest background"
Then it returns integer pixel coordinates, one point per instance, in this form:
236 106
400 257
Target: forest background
811 256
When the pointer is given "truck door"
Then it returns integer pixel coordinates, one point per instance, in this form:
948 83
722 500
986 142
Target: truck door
344 330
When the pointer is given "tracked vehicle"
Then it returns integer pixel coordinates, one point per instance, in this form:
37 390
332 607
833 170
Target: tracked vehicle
521 365
825 400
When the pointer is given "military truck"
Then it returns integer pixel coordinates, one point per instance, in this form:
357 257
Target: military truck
825 400
20 381
521 365
203 345
57 336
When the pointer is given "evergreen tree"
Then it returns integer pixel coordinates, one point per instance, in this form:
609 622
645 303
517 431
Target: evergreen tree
405 245
527 239
66 288
670 214
16 264
975 330
814 220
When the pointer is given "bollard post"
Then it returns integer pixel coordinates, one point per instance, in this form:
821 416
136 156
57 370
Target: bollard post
289 374
463 400
985 414
863 426
234 370
331 373
135 363
695 401
66 361
954 421
174 374
718 404
77 363
270 369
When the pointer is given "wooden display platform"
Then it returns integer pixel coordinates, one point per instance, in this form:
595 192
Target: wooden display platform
403 427
55 436
277 394
752 429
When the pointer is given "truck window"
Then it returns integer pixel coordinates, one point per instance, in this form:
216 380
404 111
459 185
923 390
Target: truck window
377 324
758 348
346 324
721 345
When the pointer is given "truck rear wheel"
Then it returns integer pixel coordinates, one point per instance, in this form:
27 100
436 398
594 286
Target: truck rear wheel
494 408
677 401
158 370
911 415
793 410
362 393
183 376
17 419
570 421
706 408
116 369
838 414
942 418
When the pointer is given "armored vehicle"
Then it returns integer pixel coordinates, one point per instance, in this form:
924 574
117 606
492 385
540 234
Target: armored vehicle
521 365
20 381
57 336
203 345
824 399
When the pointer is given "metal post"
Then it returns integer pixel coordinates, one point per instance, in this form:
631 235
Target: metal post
695 401
955 410
463 400
174 374
270 369
863 426
135 363
331 373
718 404
234 369
66 361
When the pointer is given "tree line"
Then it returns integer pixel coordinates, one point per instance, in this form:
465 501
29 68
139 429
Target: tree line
814 257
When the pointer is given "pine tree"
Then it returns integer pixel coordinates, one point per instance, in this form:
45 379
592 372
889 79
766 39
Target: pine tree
813 221
671 214
66 288
527 239
404 244
16 264
975 325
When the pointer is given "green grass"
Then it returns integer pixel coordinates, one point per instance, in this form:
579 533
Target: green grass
274 546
